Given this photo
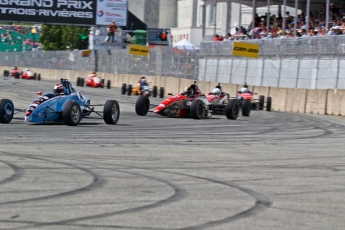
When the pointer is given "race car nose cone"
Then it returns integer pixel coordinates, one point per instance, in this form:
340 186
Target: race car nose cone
159 108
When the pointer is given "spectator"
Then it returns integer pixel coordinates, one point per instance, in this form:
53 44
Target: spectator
111 32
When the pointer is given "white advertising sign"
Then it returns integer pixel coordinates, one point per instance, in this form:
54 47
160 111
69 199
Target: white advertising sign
98 43
112 10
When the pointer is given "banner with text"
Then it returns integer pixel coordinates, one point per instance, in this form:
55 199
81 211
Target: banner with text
139 50
76 12
244 49
112 10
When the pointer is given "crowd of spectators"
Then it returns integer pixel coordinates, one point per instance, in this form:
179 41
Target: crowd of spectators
317 25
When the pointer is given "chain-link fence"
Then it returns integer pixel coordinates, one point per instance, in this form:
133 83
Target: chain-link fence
294 63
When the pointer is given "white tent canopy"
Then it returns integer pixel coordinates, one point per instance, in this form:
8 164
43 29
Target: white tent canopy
185 45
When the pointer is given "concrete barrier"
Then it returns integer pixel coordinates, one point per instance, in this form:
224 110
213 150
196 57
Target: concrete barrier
316 101
260 90
172 85
296 100
335 102
230 89
278 98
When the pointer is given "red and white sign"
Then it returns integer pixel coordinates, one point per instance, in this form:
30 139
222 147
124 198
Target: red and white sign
112 10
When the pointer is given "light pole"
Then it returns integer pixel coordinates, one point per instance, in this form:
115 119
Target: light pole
33 31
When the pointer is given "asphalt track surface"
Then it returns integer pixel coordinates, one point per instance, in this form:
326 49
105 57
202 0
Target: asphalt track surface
271 170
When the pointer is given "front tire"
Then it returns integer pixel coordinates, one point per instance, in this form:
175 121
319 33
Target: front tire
6 111
16 75
82 81
71 113
154 91
6 73
232 109
123 89
39 77
78 81
111 112
246 108
108 84
129 93
261 102
269 104
197 109
142 105
161 92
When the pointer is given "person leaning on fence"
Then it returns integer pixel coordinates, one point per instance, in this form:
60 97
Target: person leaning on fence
111 32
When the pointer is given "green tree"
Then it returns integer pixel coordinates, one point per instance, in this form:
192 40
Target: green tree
54 37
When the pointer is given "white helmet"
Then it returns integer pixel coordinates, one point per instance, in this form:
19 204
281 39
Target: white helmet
143 81
244 90
216 91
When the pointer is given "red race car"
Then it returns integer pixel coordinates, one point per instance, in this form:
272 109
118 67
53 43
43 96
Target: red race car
248 103
26 74
94 82
191 103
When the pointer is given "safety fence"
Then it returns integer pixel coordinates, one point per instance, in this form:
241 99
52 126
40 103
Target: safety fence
312 63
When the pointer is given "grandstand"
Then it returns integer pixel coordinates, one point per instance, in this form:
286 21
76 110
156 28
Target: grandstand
17 38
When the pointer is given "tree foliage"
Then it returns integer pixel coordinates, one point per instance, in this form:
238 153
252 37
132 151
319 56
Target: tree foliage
55 37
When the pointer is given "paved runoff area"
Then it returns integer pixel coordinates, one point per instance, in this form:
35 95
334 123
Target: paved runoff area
271 170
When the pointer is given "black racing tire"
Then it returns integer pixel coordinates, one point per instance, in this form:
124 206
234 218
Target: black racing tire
78 81
154 91
39 77
142 105
82 80
111 112
232 109
35 76
161 92
16 75
6 73
269 104
6 111
197 109
102 82
246 108
108 84
71 113
129 92
261 102
123 89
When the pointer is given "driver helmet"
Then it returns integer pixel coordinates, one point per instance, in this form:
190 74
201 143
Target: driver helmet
59 89
187 91
27 69
216 91
15 68
244 90
143 81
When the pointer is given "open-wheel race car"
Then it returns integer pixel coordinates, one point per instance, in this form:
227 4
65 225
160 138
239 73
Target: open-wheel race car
94 82
26 74
65 104
142 88
247 102
191 103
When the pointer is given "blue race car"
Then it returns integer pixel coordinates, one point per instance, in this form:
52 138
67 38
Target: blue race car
65 104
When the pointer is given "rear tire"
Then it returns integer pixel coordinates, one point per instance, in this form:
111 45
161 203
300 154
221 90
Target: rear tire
142 105
123 89
108 84
261 102
71 113
111 112
197 109
35 76
82 82
232 109
102 83
129 93
39 77
16 75
6 111
154 91
246 108
161 92
78 81
269 104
